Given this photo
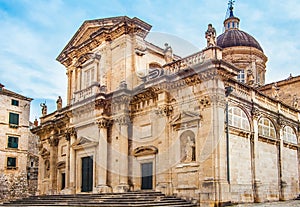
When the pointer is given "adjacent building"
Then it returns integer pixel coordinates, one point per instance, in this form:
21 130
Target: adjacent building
15 137
138 117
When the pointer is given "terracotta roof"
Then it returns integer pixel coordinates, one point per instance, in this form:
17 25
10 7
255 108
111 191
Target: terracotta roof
6 92
236 37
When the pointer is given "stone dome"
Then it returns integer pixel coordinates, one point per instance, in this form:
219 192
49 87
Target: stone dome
236 37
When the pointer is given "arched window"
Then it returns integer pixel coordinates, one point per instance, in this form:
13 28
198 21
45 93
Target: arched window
237 118
289 135
266 128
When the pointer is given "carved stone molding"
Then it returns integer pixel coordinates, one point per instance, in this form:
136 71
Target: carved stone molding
70 132
205 101
103 123
218 100
255 112
165 110
145 150
53 141
123 120
103 104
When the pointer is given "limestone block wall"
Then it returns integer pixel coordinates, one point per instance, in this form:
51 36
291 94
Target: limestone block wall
267 171
290 173
240 169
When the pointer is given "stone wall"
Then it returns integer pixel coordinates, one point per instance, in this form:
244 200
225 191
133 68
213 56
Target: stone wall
13 186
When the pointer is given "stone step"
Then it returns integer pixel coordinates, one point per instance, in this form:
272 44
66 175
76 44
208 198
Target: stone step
134 199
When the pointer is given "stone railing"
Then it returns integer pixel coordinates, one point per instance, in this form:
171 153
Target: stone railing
197 58
86 93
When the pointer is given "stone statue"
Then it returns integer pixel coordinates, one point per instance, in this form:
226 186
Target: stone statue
59 103
168 51
44 108
189 149
250 77
295 101
210 36
275 90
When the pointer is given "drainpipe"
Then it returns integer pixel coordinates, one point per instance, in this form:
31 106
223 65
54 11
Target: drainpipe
228 91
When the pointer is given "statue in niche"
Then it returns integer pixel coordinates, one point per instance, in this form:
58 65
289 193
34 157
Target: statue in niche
59 103
189 150
187 145
44 108
47 169
210 36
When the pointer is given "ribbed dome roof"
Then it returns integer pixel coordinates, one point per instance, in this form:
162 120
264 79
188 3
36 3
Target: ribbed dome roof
236 37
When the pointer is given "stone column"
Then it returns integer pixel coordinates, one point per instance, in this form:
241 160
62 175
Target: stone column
101 170
123 122
53 141
72 164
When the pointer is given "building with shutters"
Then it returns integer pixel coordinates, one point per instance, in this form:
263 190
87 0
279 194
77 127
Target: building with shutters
138 117
15 137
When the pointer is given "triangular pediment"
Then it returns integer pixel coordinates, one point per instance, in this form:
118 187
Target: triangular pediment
185 116
102 28
84 142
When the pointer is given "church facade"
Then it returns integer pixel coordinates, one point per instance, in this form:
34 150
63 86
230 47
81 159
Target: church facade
138 117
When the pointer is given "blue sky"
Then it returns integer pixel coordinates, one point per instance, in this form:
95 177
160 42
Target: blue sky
33 33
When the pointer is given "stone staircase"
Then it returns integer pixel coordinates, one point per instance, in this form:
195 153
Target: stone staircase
138 199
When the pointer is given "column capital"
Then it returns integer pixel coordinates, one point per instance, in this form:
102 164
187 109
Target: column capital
53 141
165 110
103 122
123 119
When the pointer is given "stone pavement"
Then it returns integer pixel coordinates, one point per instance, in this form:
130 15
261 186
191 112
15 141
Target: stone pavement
292 203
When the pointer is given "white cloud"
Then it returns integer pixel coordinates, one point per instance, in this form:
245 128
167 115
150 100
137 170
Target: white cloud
34 32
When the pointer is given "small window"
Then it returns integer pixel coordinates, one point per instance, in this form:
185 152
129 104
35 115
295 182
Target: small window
11 162
14 102
12 142
13 118
241 76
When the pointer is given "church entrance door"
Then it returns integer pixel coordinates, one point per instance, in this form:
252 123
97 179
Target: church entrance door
147 176
87 174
